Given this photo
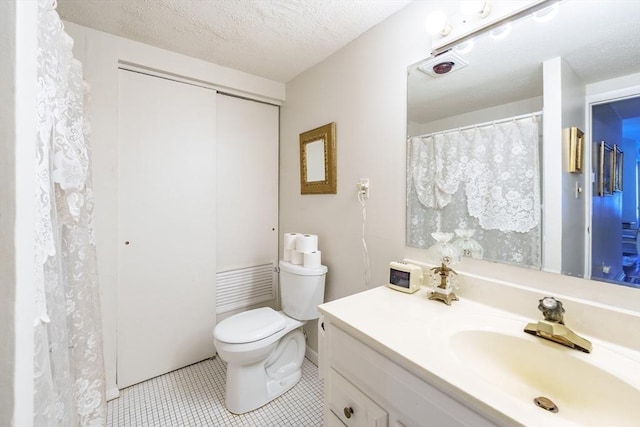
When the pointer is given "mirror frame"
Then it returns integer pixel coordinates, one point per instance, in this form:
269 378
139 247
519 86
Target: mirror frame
326 134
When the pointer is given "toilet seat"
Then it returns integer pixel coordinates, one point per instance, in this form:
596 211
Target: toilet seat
250 326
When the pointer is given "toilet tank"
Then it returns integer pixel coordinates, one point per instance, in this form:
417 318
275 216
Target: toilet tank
301 290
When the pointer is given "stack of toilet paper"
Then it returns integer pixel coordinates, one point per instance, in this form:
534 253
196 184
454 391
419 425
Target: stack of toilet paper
302 249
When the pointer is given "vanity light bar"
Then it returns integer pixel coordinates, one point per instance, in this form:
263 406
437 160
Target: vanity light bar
526 11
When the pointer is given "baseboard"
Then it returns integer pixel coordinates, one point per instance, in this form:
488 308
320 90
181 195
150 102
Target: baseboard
113 393
312 355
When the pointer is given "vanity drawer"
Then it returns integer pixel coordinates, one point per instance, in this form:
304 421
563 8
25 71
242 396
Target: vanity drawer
353 407
333 421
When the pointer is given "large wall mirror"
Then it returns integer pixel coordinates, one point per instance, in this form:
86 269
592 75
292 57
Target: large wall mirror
498 82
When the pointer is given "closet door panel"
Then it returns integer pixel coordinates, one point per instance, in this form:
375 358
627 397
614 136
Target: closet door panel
166 226
247 147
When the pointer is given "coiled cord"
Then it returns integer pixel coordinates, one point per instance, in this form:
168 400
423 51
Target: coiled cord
367 267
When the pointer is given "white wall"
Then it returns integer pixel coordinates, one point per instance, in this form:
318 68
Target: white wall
510 109
101 53
363 89
552 158
7 209
18 42
573 204
623 86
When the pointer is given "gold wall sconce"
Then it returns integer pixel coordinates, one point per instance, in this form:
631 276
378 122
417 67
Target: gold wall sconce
576 148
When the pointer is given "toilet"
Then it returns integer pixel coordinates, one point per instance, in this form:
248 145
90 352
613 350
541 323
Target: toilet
264 348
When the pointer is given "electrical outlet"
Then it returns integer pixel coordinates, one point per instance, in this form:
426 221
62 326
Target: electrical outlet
363 187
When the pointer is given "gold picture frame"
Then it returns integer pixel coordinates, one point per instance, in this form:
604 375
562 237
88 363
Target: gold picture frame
617 158
318 160
576 149
605 171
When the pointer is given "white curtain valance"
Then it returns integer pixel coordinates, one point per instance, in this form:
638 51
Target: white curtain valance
435 168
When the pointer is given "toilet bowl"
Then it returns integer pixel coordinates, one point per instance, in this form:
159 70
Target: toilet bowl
264 349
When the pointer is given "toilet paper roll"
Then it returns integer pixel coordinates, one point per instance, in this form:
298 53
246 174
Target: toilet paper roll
290 240
306 242
312 259
287 255
297 257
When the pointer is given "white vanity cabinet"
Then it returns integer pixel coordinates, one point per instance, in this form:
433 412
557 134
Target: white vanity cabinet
349 406
365 388
394 359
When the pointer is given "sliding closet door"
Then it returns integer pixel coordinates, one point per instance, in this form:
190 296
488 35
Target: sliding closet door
166 226
247 237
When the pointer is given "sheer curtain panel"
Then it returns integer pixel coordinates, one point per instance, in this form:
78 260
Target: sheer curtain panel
69 384
484 177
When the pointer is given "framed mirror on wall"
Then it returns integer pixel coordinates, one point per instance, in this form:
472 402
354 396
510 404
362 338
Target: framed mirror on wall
497 80
318 160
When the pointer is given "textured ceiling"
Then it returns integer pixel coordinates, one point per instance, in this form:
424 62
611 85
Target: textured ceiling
275 39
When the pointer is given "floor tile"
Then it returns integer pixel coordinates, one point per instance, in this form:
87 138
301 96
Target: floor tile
194 397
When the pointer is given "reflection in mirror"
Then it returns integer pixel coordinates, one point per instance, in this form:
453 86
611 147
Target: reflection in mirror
318 160
314 152
484 178
547 72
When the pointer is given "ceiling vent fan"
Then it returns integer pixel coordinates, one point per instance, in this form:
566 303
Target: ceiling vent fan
442 64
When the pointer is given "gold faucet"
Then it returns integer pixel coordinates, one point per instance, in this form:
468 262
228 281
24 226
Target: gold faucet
553 328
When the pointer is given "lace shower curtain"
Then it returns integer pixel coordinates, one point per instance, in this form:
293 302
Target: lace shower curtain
69 384
484 178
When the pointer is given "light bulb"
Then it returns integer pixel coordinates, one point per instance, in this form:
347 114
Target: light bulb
546 14
465 47
437 23
501 32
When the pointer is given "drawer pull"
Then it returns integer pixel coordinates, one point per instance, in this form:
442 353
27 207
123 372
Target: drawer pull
348 411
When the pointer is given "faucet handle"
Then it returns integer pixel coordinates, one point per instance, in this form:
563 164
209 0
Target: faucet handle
552 310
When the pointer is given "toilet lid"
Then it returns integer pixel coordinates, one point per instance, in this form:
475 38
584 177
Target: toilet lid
249 326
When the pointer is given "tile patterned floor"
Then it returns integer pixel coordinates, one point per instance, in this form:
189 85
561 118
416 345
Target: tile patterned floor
194 397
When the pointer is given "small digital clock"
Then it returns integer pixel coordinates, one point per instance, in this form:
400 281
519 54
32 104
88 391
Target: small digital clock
404 277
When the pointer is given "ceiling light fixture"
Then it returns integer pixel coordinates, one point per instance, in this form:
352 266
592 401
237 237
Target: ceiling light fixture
495 25
437 23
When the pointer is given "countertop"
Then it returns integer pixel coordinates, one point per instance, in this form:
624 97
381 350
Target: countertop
414 332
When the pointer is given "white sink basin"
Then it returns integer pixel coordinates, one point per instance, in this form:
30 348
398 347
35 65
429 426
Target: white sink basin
601 388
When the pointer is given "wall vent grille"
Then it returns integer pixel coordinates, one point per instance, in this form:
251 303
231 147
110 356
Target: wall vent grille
244 287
